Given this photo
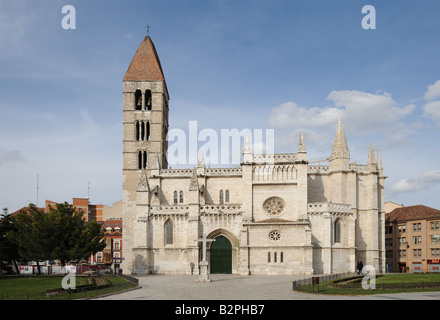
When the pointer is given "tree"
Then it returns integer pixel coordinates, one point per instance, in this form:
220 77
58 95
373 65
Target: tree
8 250
59 234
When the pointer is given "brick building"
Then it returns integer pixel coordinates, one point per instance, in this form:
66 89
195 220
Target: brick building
412 239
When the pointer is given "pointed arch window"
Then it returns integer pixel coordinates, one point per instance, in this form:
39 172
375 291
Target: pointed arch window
142 160
137 131
168 231
221 196
181 196
175 197
338 230
148 131
227 196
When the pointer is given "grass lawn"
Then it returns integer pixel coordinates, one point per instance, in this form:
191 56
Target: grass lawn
388 283
35 287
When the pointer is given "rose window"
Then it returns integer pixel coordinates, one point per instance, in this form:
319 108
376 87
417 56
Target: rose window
275 235
274 206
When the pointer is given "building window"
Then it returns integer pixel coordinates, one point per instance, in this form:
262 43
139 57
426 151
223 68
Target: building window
338 231
168 232
138 100
274 257
435 225
402 253
281 257
402 228
417 252
402 241
148 131
137 131
221 199
142 160
116 245
435 239
268 257
175 197
435 252
181 196
417 240
417 226
148 100
227 196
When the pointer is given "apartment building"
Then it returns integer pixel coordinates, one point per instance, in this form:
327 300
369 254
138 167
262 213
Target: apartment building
412 239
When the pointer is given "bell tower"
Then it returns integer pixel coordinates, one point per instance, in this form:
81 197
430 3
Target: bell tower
145 126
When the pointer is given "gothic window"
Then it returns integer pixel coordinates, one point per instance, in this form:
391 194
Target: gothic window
338 231
148 100
168 232
175 197
227 196
181 196
138 100
221 196
281 257
137 131
275 235
145 160
268 256
274 206
274 257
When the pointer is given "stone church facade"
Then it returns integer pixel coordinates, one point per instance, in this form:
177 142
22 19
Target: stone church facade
274 214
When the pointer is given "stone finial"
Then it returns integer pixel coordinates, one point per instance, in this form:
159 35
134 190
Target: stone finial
201 163
194 185
371 156
340 146
301 144
247 145
379 160
143 182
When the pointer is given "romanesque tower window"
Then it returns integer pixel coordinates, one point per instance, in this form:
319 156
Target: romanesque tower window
138 100
338 231
142 160
148 100
148 131
168 232
137 131
142 131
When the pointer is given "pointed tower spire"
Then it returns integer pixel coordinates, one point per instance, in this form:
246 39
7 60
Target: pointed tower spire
145 65
340 146
371 156
340 158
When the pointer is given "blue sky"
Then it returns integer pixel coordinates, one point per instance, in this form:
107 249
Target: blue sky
291 66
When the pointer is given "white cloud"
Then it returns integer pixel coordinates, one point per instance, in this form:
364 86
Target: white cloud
361 113
432 110
433 91
422 182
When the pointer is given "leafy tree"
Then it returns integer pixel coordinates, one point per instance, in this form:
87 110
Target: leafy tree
8 250
59 234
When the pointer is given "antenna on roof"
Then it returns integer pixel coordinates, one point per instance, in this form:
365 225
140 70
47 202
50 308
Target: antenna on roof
88 191
148 29
38 187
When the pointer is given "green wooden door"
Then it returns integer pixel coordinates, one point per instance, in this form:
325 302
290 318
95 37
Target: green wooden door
221 255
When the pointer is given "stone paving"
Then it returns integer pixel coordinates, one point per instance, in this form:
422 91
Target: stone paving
236 287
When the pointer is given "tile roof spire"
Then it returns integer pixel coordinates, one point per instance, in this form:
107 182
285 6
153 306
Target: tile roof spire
145 65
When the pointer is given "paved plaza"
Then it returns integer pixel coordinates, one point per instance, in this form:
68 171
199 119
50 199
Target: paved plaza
236 287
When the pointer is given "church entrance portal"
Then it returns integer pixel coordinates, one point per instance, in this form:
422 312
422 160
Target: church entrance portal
221 255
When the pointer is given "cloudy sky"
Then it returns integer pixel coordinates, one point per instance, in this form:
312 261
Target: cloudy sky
294 66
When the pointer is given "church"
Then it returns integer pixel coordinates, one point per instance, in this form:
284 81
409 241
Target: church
275 214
